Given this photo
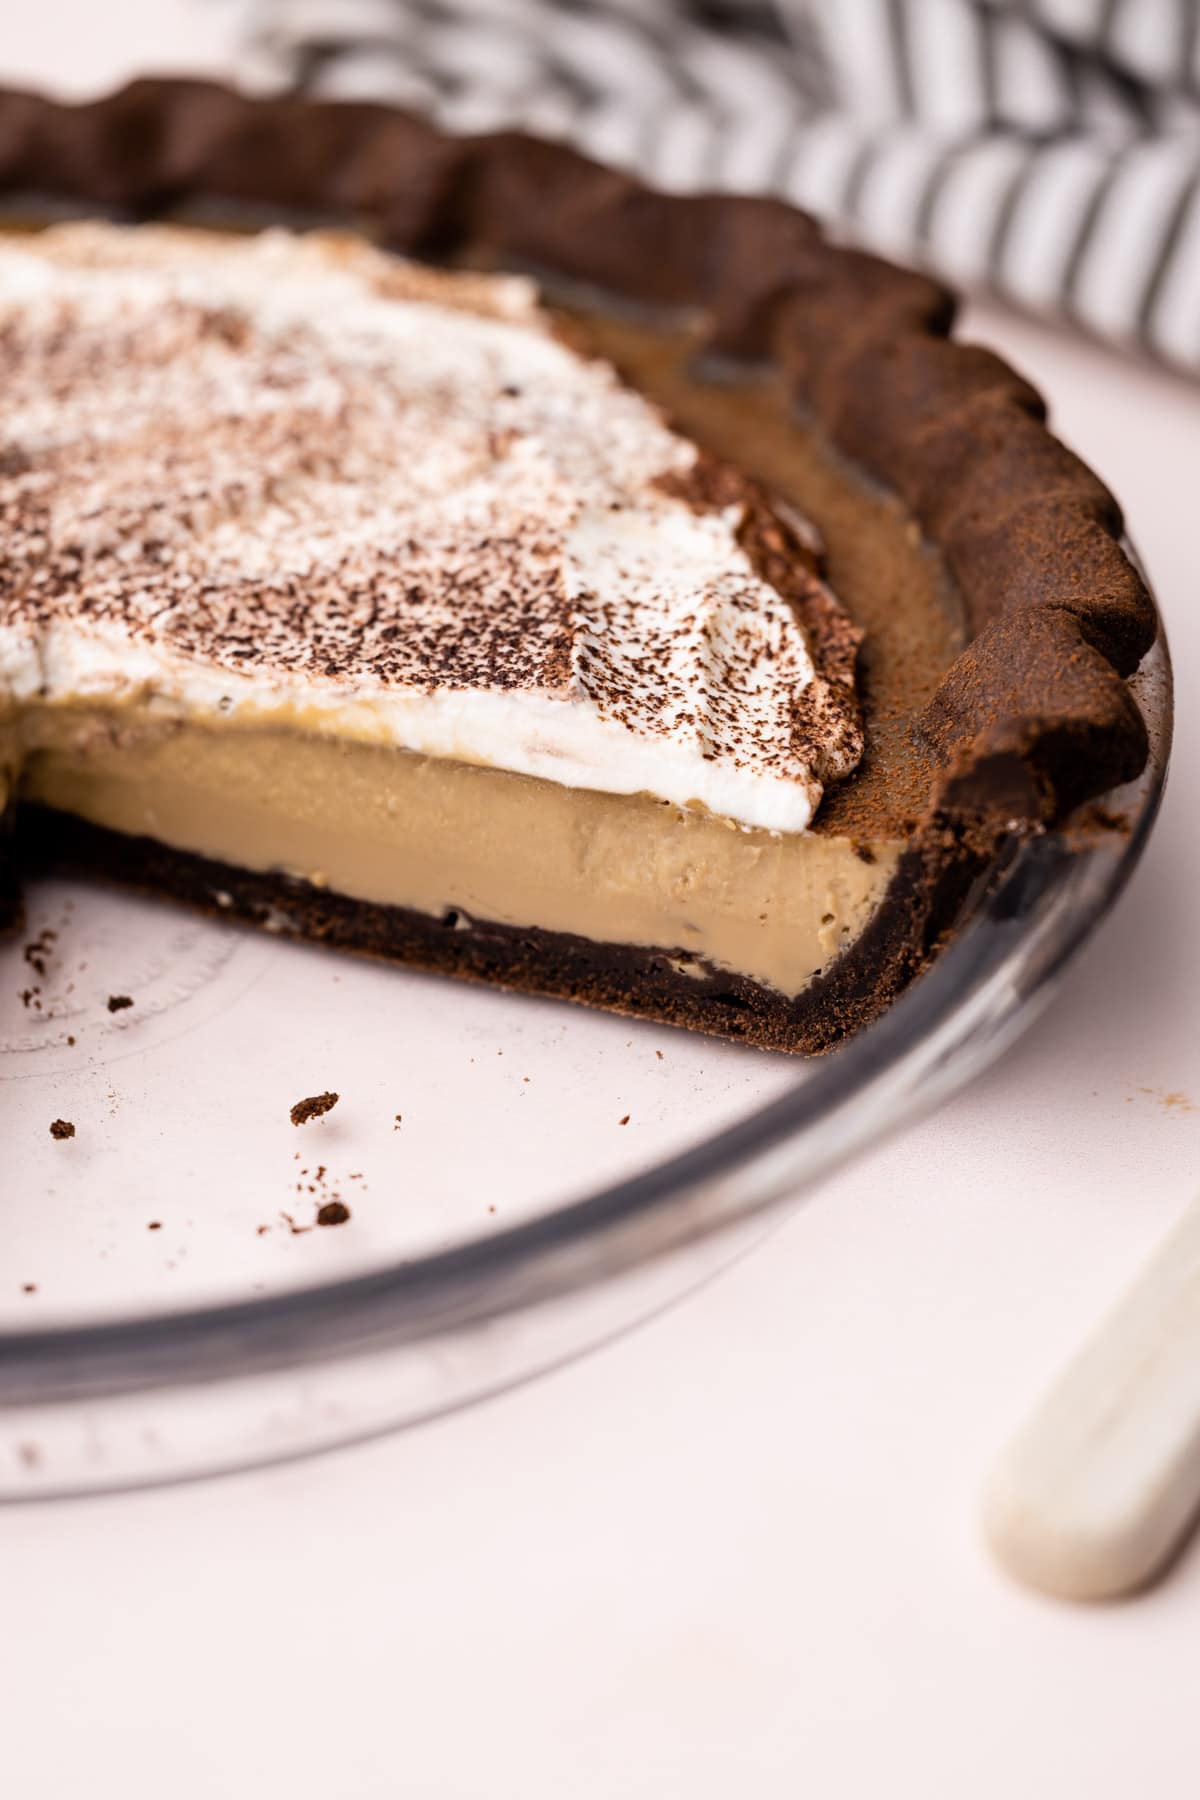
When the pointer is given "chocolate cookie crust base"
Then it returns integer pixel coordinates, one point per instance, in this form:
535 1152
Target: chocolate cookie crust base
1032 718
640 983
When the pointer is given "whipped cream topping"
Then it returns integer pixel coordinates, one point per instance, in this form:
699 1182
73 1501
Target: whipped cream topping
292 477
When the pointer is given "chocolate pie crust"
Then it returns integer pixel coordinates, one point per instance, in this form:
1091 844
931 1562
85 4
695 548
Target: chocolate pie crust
1032 715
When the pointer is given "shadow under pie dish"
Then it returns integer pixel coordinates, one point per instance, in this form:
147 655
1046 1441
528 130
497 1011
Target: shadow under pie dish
380 603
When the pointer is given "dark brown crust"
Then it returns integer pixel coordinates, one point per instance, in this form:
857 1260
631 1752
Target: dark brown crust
1031 719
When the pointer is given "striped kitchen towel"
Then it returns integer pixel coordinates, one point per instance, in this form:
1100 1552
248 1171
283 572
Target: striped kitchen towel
1047 150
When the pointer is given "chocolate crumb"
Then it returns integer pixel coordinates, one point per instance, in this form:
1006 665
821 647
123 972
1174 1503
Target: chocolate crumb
261 1230
659 1055
154 1225
334 1212
314 1107
71 1041
399 1121
36 952
62 1128
118 1002
29 1287
296 1230
623 1121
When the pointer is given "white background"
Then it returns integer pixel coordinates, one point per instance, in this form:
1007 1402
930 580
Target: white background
736 1553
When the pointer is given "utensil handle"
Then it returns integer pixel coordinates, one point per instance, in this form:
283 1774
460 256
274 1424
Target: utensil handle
1096 1492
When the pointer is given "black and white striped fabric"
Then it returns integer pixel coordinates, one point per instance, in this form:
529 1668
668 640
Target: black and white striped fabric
1045 149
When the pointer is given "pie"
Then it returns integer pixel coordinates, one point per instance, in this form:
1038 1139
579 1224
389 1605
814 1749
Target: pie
450 550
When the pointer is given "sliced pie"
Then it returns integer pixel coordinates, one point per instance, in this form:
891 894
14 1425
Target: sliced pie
480 624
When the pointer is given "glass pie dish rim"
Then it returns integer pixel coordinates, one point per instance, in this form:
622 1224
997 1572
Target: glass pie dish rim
1035 908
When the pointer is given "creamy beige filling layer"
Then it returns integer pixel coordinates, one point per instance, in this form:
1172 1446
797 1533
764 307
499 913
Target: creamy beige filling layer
404 830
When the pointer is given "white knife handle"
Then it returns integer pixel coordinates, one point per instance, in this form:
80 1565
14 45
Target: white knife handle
1093 1496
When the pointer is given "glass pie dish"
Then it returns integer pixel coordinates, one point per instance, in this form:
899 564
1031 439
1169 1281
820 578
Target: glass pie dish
504 1181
